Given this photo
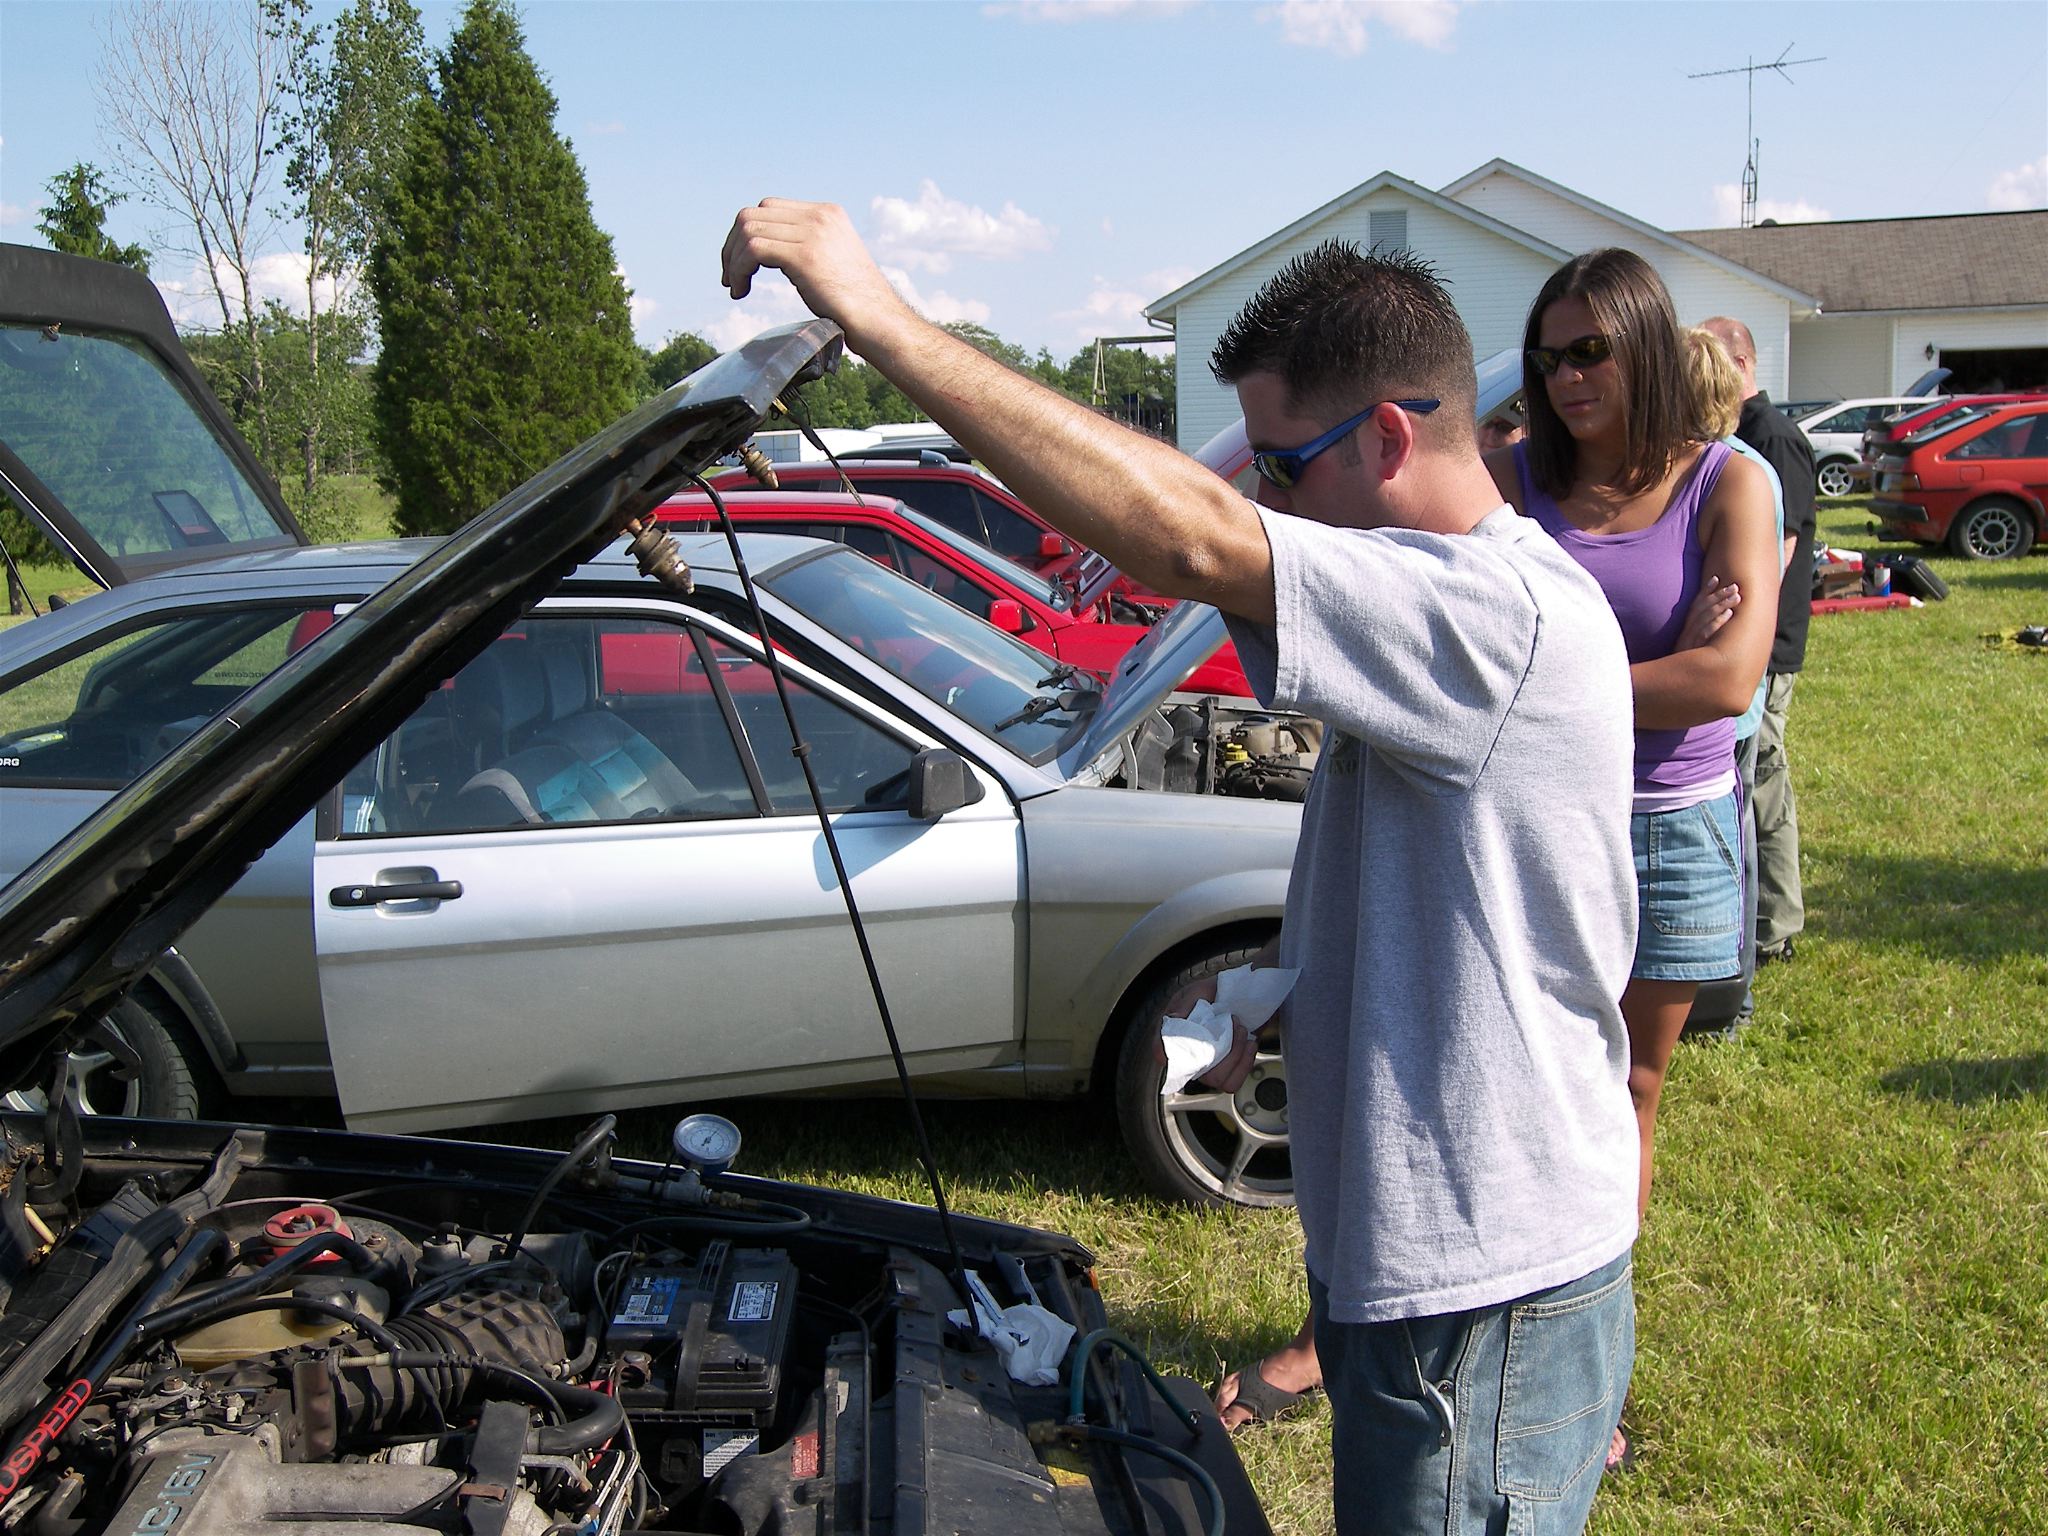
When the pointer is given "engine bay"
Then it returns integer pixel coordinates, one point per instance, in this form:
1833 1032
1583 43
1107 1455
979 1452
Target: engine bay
281 1334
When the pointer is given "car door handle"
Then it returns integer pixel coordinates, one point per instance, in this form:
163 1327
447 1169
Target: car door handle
371 895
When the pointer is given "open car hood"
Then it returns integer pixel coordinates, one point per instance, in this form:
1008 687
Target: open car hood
1190 633
109 438
79 925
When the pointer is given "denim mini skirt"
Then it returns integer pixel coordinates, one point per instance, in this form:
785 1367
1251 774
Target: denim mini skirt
1688 892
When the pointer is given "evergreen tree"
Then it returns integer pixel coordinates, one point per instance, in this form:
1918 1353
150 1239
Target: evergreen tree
75 219
505 328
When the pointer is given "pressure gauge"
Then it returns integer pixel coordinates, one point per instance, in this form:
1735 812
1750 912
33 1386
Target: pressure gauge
706 1143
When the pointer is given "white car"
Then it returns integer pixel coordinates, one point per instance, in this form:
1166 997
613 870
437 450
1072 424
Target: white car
1837 436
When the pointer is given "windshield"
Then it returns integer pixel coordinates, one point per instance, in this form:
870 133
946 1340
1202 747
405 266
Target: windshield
113 436
1001 686
1029 582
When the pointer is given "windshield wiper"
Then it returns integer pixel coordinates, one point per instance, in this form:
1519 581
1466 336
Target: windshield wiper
1045 704
1062 673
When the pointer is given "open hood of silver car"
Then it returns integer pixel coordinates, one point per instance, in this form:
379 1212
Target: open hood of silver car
81 923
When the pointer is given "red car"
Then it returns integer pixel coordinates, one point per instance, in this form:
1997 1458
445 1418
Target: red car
970 501
1980 484
1884 437
1039 611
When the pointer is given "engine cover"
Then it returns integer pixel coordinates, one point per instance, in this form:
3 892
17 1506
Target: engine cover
226 1485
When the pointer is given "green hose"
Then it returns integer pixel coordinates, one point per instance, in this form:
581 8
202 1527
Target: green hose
1086 1352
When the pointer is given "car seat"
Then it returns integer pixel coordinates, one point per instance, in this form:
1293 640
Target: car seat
634 771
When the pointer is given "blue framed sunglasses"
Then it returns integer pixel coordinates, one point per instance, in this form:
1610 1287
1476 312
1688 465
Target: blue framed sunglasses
1282 467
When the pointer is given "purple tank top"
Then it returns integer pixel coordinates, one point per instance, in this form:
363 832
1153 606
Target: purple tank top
1650 577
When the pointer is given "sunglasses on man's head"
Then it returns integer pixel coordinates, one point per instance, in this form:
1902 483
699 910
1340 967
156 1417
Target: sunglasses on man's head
1282 467
1581 352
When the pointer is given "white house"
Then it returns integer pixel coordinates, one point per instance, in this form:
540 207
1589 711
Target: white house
1494 236
1898 296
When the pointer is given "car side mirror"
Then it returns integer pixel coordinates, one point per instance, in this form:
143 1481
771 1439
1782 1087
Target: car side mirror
1051 546
940 782
1007 614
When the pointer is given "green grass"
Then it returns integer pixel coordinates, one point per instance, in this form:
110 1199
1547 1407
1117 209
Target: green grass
1843 1283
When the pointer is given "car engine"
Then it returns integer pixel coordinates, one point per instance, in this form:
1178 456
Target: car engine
334 1353
1212 746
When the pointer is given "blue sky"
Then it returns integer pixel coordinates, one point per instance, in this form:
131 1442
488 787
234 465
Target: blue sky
1047 168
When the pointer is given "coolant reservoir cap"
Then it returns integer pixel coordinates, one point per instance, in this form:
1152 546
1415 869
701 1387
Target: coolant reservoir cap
301 1224
706 1143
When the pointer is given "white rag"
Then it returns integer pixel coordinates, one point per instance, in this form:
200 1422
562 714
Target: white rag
1031 1341
1247 995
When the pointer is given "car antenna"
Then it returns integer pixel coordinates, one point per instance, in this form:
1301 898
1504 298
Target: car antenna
800 749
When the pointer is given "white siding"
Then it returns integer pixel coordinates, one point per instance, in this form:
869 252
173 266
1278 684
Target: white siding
1848 357
1913 334
1699 288
1491 280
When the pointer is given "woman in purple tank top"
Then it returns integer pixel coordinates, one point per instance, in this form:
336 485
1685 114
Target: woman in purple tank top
1619 467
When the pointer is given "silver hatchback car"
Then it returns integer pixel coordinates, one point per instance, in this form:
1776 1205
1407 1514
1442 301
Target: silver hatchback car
585 873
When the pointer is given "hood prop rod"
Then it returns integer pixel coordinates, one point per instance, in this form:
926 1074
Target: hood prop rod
801 750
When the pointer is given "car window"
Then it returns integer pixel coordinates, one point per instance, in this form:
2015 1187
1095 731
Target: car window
944 501
1009 531
608 718
2020 438
96 718
972 669
1839 421
103 424
858 765
934 576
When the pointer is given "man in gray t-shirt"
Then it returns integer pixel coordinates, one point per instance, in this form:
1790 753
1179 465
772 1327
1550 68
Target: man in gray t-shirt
1463 901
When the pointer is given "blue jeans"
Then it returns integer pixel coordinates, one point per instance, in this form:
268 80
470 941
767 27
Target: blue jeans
1491 1421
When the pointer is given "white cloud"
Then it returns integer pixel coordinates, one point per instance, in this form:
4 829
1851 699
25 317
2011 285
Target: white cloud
939 308
1060 12
1113 310
1728 208
604 130
640 309
280 276
1345 26
926 235
771 302
13 213
2026 187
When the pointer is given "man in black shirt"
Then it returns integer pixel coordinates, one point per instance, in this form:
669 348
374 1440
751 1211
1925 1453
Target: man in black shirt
1781 905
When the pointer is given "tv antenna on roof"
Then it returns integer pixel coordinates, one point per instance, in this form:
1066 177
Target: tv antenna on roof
1752 69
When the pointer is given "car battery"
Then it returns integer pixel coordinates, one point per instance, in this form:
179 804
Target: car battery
704 1342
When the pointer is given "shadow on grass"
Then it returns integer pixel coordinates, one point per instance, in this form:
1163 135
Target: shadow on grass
1960 1081
1006 1147
1970 912
2029 575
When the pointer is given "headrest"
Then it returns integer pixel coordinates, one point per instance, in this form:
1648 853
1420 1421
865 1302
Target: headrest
568 687
506 682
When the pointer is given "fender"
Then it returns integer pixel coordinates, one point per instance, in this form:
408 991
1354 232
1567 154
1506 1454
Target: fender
1242 898
195 1005
2012 490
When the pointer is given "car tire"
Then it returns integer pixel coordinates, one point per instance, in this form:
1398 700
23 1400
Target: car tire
1834 479
1995 529
1203 1147
165 1085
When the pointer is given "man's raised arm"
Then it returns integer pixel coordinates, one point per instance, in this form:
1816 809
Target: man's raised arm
1164 519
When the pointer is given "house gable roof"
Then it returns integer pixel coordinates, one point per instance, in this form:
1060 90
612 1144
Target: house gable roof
1161 307
1957 261
1797 295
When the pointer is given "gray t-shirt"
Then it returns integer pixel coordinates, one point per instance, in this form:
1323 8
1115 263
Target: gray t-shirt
1462 908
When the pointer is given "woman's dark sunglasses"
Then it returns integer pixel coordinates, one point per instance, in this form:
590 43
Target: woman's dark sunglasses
1282 467
1581 352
